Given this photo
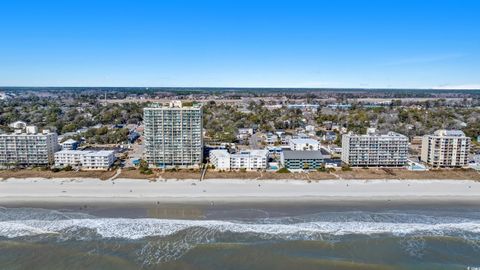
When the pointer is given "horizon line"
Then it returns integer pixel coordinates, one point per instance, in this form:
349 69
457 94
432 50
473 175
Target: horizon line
261 87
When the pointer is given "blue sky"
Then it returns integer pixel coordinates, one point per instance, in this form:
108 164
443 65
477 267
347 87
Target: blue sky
244 43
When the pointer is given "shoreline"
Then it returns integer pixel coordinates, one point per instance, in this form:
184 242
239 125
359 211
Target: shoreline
233 190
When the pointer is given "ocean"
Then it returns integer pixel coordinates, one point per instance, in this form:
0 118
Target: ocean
223 235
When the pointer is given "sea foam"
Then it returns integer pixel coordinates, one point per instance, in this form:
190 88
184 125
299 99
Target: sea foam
164 240
141 228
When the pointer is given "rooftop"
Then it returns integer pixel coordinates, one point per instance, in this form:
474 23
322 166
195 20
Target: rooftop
101 153
321 154
449 133
24 133
66 151
303 141
253 152
176 104
220 152
384 135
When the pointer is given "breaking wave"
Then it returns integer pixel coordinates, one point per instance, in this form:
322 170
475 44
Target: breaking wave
161 240
293 228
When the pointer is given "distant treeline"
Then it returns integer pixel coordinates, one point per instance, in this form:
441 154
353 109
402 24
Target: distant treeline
394 93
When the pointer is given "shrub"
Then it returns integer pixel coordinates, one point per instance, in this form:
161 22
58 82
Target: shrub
143 168
283 170
146 171
322 169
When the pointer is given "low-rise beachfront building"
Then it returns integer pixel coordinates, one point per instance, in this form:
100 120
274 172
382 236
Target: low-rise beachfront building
303 160
249 160
300 144
446 149
88 160
220 159
375 150
98 160
69 158
28 147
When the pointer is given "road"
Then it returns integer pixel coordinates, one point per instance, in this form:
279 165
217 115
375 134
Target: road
136 152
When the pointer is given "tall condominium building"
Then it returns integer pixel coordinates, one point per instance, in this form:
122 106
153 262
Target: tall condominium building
173 135
375 150
446 148
28 147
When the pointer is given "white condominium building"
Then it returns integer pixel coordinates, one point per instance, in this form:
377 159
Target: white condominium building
304 145
446 148
247 159
98 160
69 157
220 158
28 147
375 150
89 160
173 135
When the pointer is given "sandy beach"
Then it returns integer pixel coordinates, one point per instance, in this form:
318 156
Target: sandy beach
38 189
